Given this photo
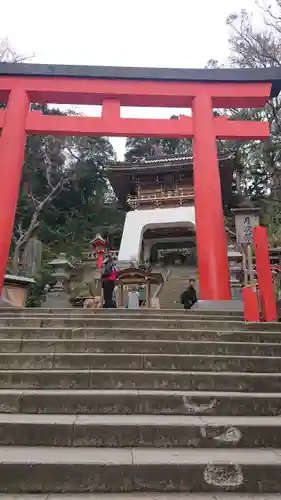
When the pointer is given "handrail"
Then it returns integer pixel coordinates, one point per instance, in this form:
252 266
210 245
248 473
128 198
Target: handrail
160 287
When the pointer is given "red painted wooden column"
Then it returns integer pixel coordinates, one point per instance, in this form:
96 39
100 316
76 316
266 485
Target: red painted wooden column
12 144
251 305
264 274
210 233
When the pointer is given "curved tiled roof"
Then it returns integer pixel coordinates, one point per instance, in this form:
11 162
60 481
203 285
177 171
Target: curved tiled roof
120 174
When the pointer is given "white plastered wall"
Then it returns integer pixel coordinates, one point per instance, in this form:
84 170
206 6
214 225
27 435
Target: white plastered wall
139 221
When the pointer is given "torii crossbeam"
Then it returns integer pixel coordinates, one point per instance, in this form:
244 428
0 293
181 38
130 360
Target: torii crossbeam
113 88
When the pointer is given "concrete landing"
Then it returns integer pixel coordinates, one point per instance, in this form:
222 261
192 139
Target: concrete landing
218 305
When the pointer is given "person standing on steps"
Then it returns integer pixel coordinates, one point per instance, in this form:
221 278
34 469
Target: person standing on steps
189 296
142 295
108 278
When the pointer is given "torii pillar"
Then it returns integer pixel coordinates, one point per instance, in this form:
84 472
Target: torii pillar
210 232
12 145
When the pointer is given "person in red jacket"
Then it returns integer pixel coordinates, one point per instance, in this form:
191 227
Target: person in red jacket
108 278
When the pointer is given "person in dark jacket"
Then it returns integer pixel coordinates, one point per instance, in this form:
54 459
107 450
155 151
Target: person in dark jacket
189 296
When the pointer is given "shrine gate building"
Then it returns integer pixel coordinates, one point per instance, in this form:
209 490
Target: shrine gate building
158 194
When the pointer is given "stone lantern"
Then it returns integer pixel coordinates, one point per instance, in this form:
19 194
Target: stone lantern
58 295
99 245
235 271
62 267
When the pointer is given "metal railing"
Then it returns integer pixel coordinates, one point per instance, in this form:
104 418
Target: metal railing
170 195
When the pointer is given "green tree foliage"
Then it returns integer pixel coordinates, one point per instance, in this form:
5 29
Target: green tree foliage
64 191
36 294
255 42
140 148
64 194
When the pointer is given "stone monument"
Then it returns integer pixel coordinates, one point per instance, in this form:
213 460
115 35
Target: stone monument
31 258
246 218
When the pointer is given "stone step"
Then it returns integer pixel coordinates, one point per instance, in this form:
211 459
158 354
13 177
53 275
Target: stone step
161 431
112 333
134 401
56 469
141 496
140 361
45 345
219 323
140 379
35 311
128 319
131 315
177 306
169 298
183 321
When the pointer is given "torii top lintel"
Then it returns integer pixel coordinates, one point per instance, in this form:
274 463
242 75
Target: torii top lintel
113 87
65 84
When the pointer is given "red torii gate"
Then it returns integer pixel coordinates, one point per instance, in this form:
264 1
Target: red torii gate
201 90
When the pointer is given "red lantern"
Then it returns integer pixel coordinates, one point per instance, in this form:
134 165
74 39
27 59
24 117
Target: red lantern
99 247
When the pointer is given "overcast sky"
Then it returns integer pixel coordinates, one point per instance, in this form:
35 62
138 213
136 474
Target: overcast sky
171 33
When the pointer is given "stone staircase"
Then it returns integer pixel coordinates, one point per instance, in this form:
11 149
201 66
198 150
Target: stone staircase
176 283
162 405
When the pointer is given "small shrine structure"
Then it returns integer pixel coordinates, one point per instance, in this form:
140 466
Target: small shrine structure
136 277
99 245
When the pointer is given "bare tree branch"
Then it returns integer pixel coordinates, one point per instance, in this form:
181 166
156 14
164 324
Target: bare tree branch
7 54
69 150
35 222
49 169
